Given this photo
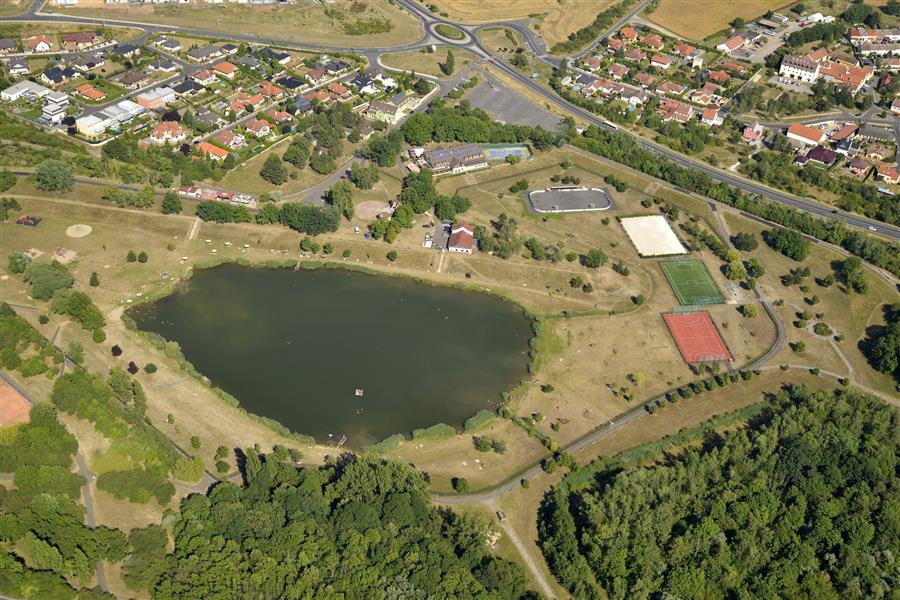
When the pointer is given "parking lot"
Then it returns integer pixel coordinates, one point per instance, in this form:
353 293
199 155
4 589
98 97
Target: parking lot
492 96
561 200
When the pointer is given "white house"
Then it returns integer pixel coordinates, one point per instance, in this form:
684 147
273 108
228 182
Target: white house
798 68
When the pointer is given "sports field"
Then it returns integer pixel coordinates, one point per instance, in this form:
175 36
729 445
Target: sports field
697 337
691 282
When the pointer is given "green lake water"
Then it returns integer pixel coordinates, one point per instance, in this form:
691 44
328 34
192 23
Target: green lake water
295 345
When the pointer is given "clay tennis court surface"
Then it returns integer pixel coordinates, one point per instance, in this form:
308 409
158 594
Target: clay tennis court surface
696 337
14 408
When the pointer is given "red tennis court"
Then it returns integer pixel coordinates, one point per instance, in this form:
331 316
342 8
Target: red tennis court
696 337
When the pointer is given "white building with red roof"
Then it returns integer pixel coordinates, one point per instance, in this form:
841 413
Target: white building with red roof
462 239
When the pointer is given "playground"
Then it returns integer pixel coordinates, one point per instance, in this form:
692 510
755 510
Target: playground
691 282
697 338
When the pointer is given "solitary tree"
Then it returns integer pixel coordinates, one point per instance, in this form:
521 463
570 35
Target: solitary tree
449 64
340 195
54 176
171 204
95 279
274 171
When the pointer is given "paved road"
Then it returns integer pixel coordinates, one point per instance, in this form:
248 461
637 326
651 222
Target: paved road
471 43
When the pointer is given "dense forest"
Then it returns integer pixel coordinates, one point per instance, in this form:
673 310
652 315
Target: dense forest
801 503
360 528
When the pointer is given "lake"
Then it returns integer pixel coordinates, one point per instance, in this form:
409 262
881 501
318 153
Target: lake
295 346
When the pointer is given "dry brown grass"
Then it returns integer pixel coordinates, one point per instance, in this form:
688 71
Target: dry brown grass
698 19
558 18
303 22
428 63
847 314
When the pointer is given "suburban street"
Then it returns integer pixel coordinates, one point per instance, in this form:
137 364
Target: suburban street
471 43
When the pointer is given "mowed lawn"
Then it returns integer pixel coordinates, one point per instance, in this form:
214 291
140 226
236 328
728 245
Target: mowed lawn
558 18
698 19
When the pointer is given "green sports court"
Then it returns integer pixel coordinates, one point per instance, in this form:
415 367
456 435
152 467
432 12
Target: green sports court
691 282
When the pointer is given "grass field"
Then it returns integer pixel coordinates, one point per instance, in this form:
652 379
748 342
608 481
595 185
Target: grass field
303 22
429 63
698 19
691 282
558 18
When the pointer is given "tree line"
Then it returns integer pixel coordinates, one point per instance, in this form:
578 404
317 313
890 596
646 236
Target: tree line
800 503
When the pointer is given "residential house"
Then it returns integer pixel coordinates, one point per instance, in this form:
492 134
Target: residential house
712 117
709 92
212 151
851 78
822 155
848 147
316 76
188 88
127 50
300 106
646 80
17 66
338 90
383 111
629 34
58 75
876 152
7 46
318 96
754 134
164 66
249 61
90 92
653 41
289 83
616 45
887 174
684 50
364 84
859 167
230 139
617 71
277 56
207 118
660 62
895 105
156 98
258 127
204 54
225 69
673 110
462 238
843 133
636 54
204 77
168 132
55 108
270 90
670 88
731 44
720 77
230 49
88 63
333 67
79 40
805 134
38 43
169 45
386 81
133 79
279 116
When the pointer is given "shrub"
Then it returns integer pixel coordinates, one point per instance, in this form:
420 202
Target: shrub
460 485
150 368
99 336
392 255
478 421
188 469
195 442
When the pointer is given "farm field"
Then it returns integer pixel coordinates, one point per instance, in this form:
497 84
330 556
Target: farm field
303 22
698 19
428 63
557 19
